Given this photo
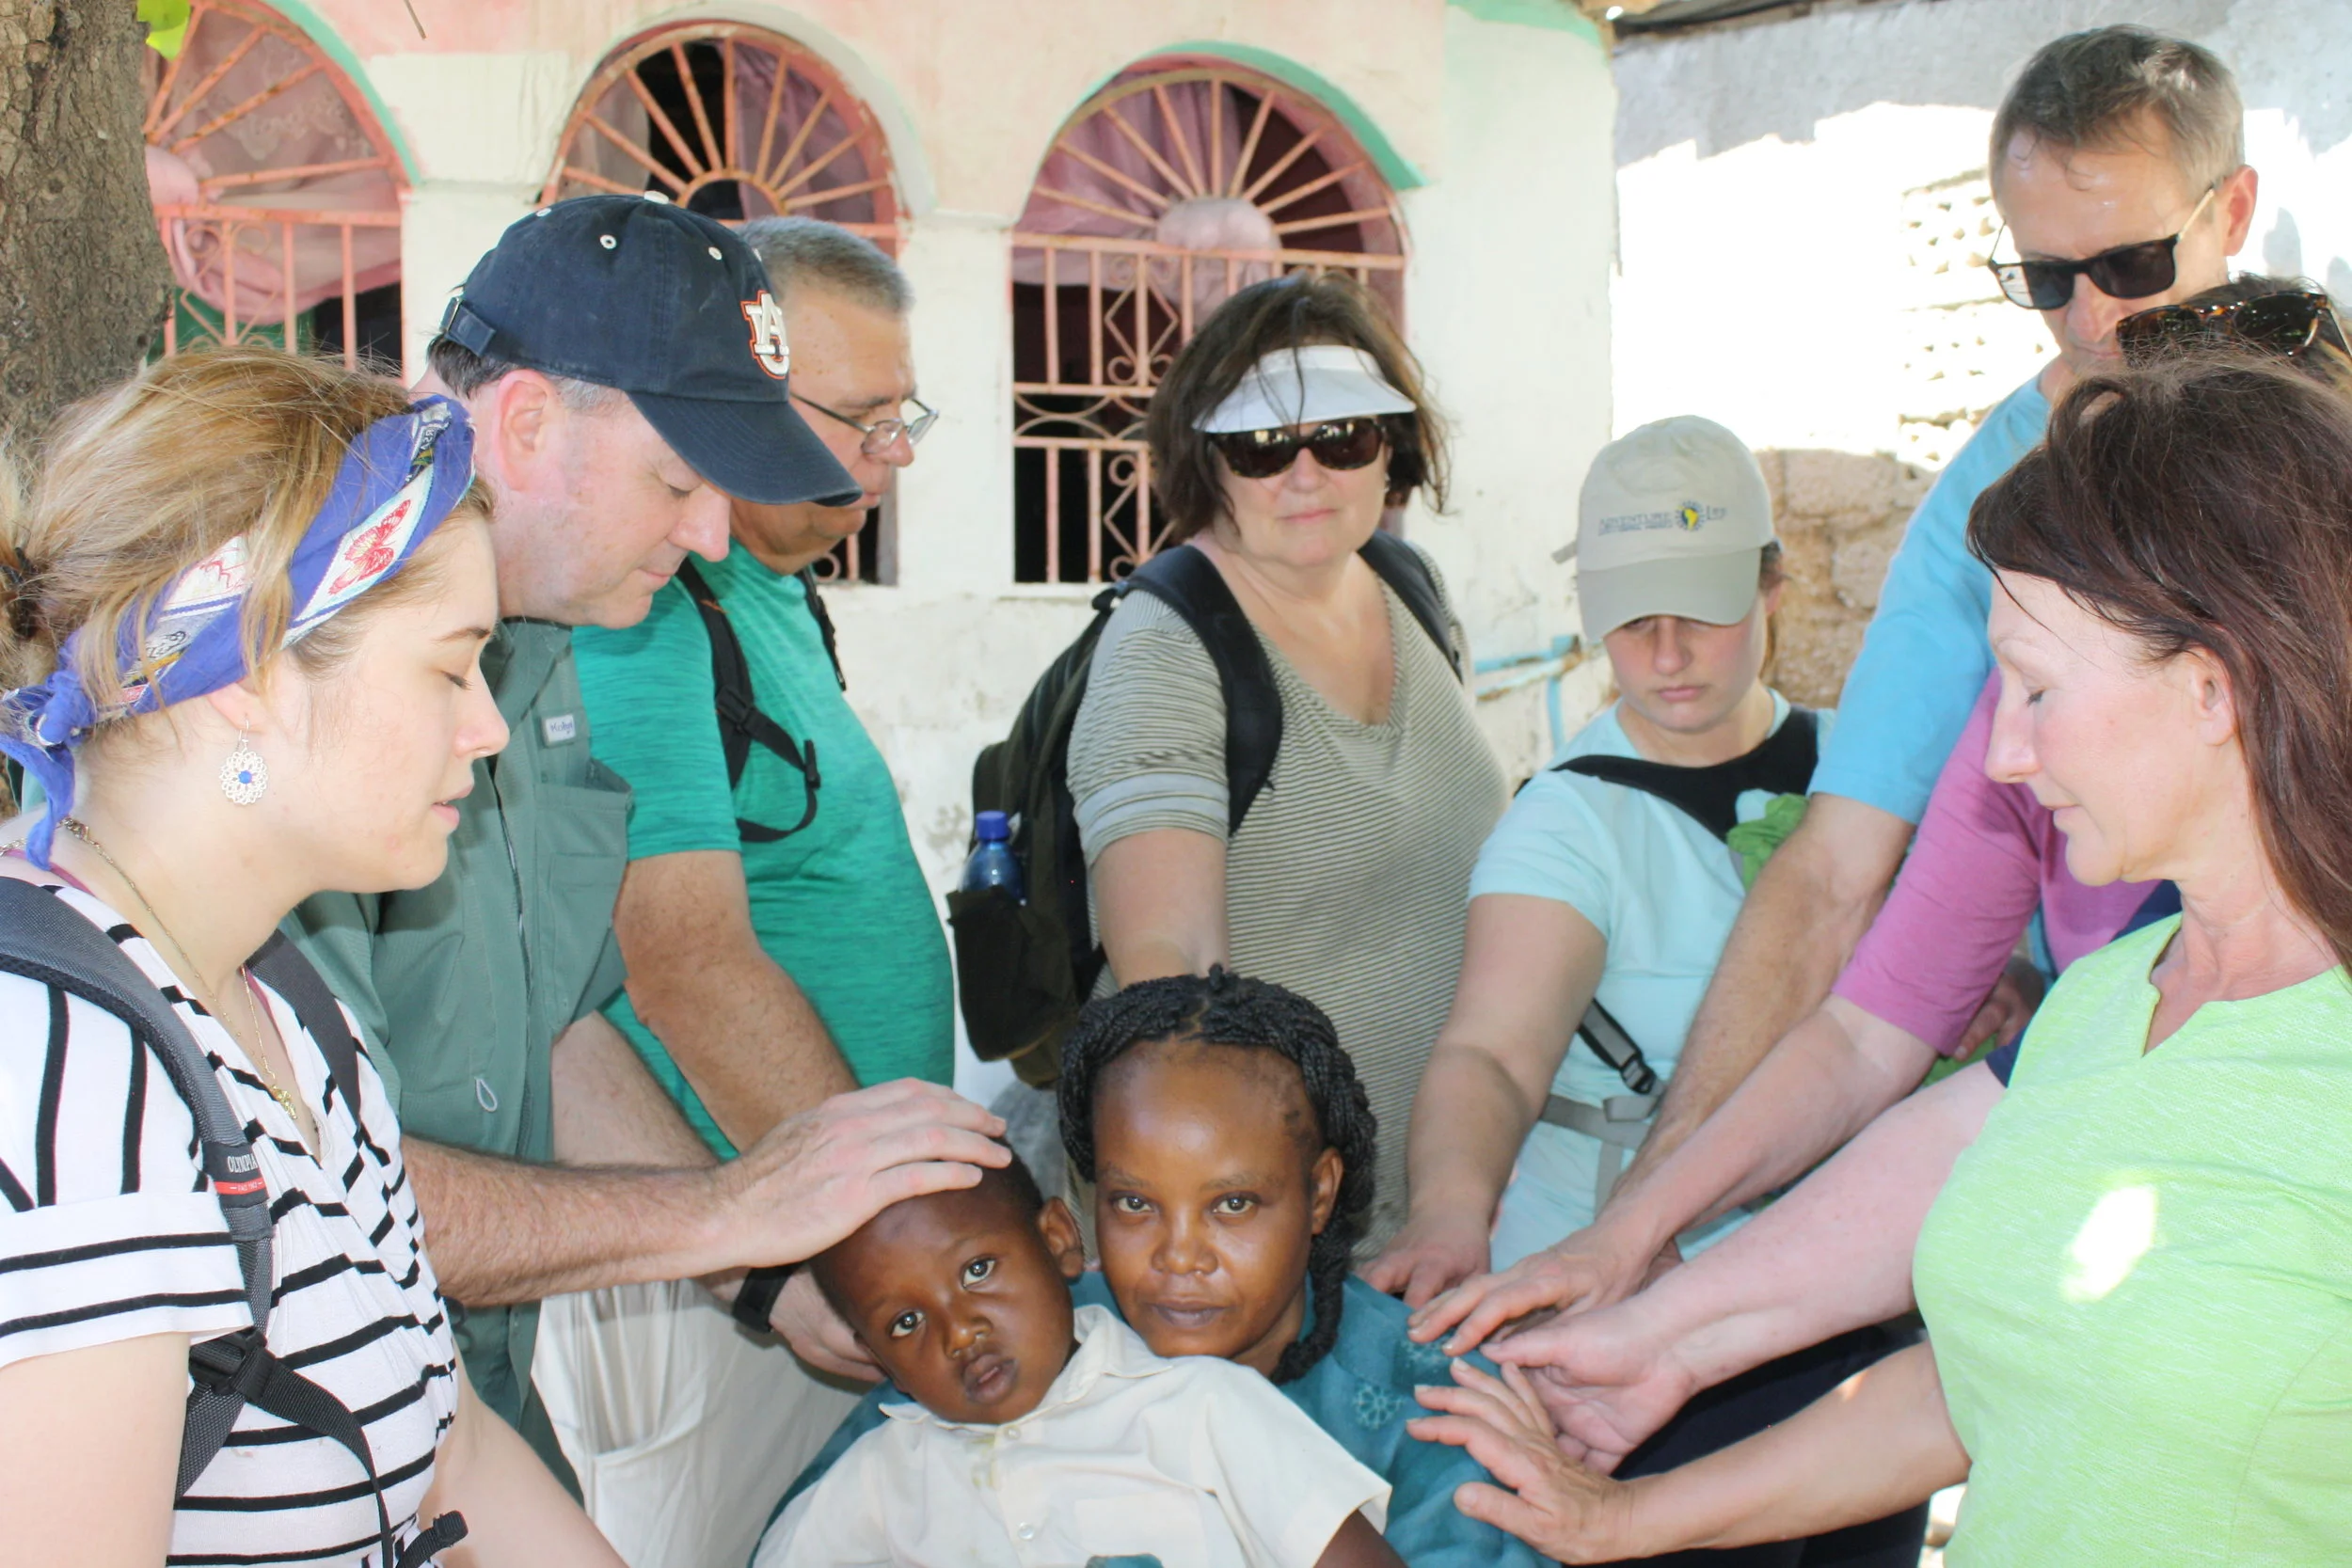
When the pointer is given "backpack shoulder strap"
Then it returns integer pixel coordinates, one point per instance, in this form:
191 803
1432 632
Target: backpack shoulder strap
1408 574
281 967
1187 582
1783 765
823 618
742 721
43 938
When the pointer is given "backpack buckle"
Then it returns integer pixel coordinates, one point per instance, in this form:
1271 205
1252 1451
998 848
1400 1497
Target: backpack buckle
234 1363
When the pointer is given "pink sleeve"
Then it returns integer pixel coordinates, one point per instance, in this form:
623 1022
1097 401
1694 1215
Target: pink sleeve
1964 896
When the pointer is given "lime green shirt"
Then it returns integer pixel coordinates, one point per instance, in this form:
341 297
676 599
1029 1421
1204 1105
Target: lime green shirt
841 905
2138 1282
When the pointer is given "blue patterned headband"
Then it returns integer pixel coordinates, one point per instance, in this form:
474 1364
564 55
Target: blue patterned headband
401 479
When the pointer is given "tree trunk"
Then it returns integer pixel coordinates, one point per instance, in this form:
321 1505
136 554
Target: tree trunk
83 278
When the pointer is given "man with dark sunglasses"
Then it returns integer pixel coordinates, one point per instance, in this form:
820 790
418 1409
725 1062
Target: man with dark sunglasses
2118 164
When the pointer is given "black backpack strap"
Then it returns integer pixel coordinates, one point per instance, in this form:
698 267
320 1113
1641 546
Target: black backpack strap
1607 1039
280 966
1783 765
1189 584
1408 574
824 624
742 723
44 940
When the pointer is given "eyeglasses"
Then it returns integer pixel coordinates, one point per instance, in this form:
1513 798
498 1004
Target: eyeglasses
2127 271
2287 323
1337 444
882 434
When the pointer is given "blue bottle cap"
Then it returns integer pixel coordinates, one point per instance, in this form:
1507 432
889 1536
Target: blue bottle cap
991 827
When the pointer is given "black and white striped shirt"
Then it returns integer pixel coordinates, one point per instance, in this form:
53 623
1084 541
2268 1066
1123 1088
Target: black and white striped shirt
108 1232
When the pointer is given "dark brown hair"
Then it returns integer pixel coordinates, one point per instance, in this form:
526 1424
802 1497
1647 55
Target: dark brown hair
2095 89
1291 312
2201 503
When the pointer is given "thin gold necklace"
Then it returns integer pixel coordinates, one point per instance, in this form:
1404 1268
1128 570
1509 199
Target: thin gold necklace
253 1008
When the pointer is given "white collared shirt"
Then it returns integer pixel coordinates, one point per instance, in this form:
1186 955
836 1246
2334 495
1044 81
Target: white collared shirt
1198 1462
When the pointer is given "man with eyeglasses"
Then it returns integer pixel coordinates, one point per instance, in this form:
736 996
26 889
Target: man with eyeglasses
2118 165
781 940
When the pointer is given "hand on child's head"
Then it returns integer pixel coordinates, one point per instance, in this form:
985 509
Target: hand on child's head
1212 1182
962 1297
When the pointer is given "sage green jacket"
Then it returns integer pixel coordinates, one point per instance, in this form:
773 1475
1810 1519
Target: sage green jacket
462 986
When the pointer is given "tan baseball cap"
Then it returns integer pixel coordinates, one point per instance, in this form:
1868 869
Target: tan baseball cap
1672 520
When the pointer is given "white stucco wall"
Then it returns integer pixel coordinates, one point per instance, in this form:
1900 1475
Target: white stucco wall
1498 115
1774 217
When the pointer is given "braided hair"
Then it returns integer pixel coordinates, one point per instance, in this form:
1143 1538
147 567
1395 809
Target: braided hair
1228 1010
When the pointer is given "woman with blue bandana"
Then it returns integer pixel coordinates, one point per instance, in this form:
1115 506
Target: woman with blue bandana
245 608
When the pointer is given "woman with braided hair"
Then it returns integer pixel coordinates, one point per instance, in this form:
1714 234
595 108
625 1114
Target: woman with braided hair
1229 1144
1157 1075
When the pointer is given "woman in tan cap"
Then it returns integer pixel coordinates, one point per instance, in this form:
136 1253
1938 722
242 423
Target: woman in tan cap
1600 905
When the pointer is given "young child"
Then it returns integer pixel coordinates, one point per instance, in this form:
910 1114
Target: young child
1231 1148
1046 1434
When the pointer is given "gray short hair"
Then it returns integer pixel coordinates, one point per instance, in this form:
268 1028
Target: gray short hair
2085 89
800 250
465 372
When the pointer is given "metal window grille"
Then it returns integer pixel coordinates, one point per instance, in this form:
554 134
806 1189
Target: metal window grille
278 197
1103 297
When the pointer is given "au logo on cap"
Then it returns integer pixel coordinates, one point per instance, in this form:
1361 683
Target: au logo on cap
768 346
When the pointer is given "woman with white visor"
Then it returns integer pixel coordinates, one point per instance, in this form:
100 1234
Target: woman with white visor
1599 911
1282 431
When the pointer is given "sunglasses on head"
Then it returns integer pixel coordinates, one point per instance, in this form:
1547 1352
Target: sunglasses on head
2127 271
2285 324
1337 444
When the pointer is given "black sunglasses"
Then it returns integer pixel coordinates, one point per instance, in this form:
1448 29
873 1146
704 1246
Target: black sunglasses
2287 323
2127 271
1337 444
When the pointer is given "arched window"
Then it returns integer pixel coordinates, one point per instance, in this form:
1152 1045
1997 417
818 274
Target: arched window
277 192
1179 183
738 122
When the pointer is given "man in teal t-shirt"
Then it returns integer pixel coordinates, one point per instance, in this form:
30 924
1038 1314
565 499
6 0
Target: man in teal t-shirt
780 942
768 969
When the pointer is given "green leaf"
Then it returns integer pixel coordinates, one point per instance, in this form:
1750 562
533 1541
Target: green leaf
167 26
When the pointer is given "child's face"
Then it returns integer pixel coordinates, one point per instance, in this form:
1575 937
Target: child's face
1211 1184
963 1300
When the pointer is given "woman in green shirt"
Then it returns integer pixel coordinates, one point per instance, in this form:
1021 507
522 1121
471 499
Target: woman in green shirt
2136 1279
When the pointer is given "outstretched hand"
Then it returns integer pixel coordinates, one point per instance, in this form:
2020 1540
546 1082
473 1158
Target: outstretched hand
1606 1380
1591 1268
1426 1258
1544 1498
818 1176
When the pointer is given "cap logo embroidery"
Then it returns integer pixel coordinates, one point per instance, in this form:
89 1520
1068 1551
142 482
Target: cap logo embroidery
1687 516
768 346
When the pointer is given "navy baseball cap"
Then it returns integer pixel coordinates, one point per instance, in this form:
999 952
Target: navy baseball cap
671 307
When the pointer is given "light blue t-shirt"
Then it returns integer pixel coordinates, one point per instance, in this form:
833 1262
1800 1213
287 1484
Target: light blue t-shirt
1662 892
1924 657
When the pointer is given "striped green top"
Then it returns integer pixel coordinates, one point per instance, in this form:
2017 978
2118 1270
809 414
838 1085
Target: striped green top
1348 880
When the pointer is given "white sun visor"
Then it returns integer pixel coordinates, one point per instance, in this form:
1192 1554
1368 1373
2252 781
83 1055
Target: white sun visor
1305 386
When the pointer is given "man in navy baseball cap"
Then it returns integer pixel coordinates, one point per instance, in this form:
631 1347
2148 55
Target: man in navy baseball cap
624 363
669 307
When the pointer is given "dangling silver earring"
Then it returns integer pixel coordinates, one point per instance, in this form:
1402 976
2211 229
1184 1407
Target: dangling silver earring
245 776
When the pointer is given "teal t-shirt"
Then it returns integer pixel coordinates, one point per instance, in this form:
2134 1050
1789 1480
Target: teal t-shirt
2138 1281
840 905
1662 892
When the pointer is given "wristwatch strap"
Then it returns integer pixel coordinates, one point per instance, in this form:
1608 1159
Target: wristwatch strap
756 1300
